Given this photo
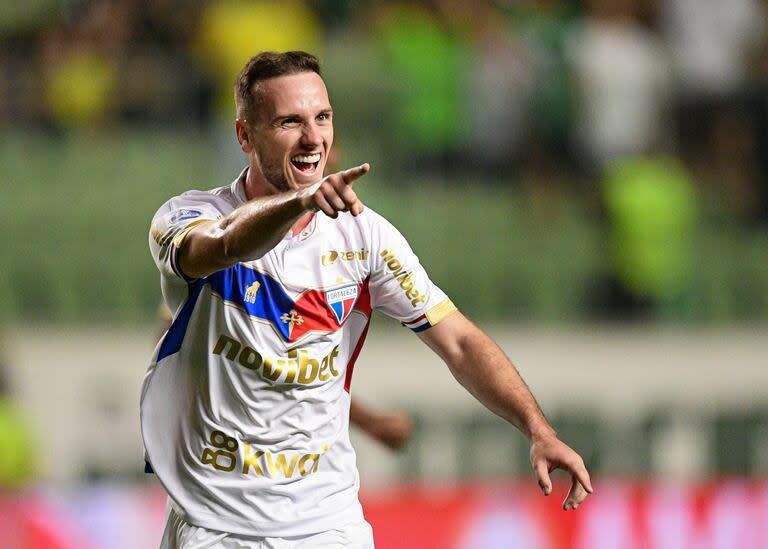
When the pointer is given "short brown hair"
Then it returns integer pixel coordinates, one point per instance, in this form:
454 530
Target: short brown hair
266 65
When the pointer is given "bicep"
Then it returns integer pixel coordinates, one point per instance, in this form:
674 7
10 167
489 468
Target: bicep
447 338
463 347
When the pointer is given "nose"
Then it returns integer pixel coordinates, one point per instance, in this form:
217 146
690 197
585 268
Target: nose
311 136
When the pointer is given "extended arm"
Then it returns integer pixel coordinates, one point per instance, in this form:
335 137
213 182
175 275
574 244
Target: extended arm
257 226
482 368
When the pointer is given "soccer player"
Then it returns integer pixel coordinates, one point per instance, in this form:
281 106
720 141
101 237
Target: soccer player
273 280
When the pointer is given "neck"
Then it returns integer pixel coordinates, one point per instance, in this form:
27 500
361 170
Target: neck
256 186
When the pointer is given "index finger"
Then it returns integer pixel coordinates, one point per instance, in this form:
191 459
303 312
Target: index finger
352 174
576 495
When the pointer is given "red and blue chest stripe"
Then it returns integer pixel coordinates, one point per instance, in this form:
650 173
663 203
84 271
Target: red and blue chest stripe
263 297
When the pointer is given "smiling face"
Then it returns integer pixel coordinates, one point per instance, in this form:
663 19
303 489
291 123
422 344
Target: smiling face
289 136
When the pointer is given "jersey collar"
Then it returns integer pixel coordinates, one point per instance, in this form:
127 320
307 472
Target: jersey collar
307 231
238 187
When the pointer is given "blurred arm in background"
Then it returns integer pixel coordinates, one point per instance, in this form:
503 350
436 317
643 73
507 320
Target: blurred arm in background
393 429
482 368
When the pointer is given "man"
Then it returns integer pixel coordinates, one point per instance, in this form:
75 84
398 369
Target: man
273 280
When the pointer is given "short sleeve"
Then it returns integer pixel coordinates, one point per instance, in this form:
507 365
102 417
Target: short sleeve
171 224
399 285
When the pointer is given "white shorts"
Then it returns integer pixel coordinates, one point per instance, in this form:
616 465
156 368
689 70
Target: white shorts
179 534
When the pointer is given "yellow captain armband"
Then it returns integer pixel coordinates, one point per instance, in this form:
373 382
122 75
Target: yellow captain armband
440 311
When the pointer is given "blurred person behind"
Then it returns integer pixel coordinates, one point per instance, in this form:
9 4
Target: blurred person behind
18 462
625 86
623 80
544 26
161 79
422 52
80 59
652 207
80 83
758 115
720 107
230 29
20 25
710 42
227 32
501 88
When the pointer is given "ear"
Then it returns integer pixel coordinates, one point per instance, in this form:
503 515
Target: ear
243 135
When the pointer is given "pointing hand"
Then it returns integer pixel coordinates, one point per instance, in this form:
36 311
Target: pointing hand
334 193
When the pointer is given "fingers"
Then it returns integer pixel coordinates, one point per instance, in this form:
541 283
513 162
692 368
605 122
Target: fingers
334 198
579 471
575 496
549 454
322 204
573 463
352 174
542 475
348 196
335 194
331 200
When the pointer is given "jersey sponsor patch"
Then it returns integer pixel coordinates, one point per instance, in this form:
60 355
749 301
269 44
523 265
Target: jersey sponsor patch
184 213
342 301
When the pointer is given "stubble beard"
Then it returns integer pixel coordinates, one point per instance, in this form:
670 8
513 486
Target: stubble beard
278 182
275 177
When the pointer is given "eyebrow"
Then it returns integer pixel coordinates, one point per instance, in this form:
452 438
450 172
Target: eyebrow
283 117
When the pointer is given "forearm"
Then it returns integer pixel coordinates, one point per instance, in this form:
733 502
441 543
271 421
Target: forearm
484 370
247 233
256 227
360 416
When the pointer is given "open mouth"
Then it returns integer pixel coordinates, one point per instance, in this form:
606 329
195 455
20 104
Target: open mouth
306 163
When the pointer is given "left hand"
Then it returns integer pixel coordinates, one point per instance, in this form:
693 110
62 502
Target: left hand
549 453
393 429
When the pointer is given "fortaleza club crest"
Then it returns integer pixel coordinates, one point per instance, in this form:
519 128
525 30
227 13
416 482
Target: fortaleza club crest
341 301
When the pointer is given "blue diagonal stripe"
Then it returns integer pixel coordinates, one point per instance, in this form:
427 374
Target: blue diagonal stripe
271 299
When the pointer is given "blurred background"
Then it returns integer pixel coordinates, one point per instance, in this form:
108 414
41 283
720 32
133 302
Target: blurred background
587 180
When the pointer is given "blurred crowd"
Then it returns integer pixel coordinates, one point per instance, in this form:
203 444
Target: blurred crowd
651 115
654 111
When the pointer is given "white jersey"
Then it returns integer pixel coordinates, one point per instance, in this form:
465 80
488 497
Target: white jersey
245 407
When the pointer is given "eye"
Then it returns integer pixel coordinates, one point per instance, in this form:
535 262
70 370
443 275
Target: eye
323 117
290 122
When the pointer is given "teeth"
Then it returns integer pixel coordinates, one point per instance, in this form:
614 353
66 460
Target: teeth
309 159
